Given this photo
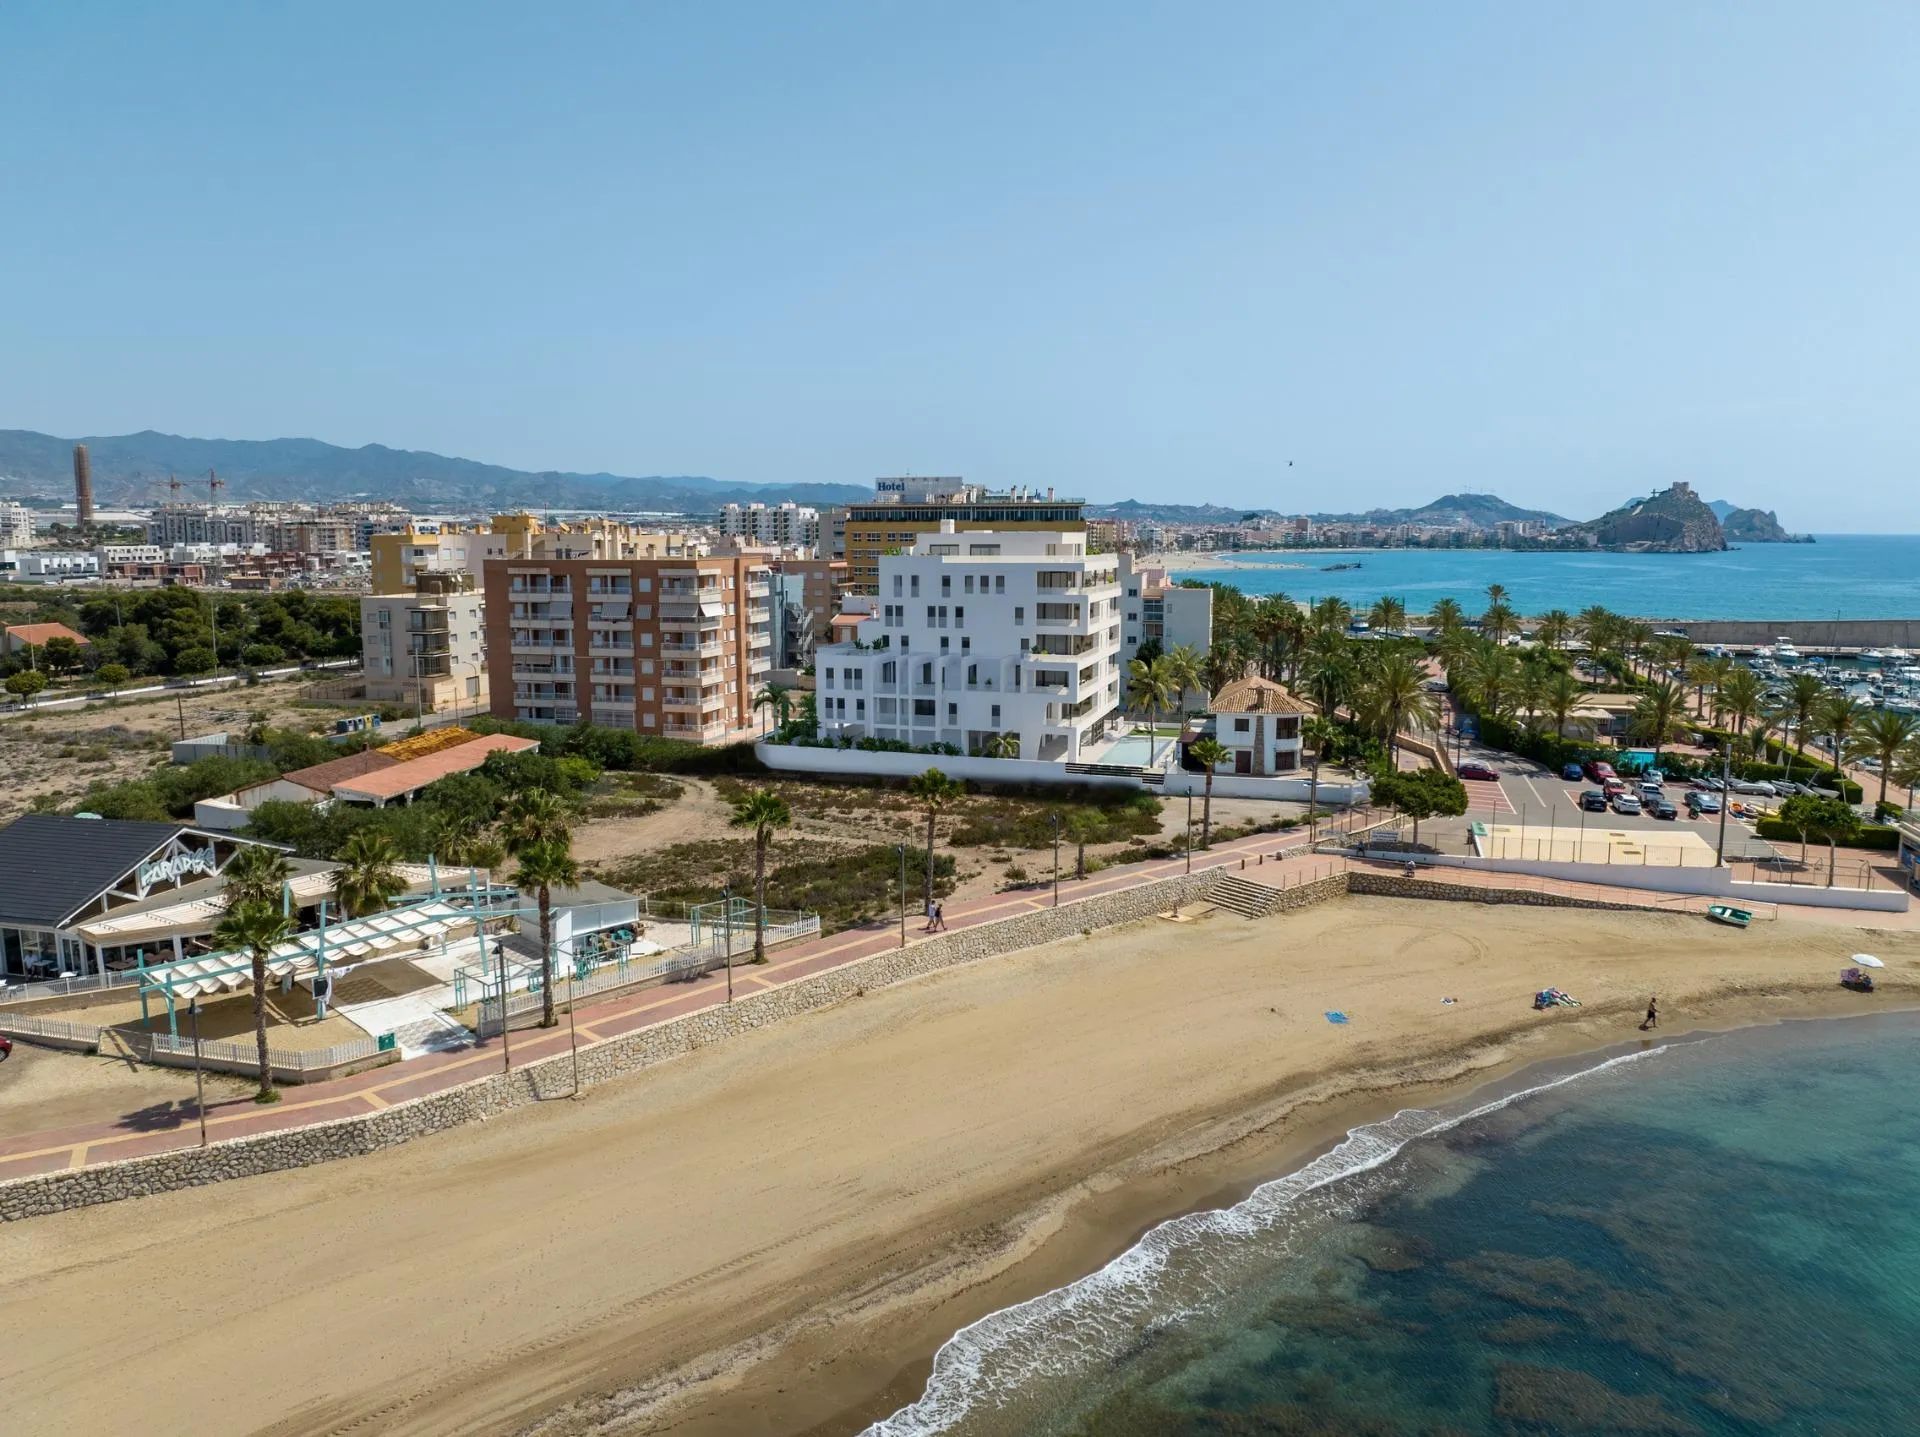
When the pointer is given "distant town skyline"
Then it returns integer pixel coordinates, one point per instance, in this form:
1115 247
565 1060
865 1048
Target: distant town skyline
1263 257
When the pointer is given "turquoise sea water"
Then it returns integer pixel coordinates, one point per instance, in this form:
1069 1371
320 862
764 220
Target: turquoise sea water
1715 1237
1846 576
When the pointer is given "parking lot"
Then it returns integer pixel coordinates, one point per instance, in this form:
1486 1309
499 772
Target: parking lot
1529 796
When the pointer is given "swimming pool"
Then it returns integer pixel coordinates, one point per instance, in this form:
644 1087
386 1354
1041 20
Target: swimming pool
1134 749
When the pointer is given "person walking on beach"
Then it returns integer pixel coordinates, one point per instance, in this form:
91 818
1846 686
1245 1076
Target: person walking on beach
1652 1019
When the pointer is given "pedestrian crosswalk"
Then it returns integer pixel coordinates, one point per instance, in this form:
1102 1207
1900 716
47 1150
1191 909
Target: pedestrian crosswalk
1486 796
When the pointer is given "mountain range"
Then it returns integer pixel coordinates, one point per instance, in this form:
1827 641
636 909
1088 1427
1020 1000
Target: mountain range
133 469
1481 511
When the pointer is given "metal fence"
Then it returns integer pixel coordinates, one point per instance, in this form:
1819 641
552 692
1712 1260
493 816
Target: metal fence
66 987
248 1055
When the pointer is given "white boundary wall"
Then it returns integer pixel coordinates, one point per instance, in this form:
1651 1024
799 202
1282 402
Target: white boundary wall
1706 882
862 763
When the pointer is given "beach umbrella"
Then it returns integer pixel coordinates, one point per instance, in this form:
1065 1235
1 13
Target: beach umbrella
1867 960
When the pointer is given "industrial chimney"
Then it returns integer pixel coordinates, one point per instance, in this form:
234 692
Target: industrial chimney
83 483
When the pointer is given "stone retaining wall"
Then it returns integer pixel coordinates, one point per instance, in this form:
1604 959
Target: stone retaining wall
553 1077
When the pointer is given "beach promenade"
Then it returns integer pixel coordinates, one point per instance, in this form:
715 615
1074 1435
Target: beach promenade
1277 860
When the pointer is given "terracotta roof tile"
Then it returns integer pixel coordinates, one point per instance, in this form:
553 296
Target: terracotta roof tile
1257 695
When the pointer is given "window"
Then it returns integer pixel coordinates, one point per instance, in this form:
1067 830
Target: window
944 642
1242 725
985 550
1019 613
859 708
889 672
896 586
953 713
913 581
946 586
965 645
973 674
829 676
959 616
996 715
926 673
999 583
969 583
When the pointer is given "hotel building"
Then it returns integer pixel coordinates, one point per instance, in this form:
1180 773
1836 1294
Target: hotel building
1004 642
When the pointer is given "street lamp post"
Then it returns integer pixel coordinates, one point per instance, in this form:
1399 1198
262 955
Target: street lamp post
1189 830
199 1080
903 893
506 1047
1726 793
726 929
573 1031
1054 820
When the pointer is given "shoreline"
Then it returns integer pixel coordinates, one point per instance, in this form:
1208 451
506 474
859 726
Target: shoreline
1074 1236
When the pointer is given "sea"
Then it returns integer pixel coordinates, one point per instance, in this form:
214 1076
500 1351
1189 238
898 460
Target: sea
1839 576
1714 1236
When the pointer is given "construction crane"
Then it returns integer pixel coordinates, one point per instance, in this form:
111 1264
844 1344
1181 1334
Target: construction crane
214 485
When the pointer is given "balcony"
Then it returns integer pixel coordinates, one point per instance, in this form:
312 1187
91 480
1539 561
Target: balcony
542 668
709 650
536 586
717 729
543 693
542 641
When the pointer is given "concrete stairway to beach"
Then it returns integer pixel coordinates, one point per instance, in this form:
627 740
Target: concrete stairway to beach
1250 900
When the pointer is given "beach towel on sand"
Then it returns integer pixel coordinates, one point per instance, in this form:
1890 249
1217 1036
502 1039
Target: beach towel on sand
1336 1017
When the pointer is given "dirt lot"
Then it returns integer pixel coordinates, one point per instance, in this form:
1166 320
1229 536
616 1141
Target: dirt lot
60 753
42 1088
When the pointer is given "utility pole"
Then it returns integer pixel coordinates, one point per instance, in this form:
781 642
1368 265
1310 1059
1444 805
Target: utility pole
199 1080
1189 830
903 893
1054 819
726 924
1726 796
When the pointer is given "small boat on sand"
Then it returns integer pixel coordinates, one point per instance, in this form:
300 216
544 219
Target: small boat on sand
1726 913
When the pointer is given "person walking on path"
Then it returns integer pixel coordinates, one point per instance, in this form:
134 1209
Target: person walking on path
1652 1019
939 919
932 912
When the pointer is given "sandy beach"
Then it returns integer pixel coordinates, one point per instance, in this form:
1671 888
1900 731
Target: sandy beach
772 1235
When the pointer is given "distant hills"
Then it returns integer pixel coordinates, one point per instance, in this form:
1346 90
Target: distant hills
133 469
1672 521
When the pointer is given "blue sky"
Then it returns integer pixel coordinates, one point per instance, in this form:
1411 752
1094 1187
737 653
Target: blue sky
1561 253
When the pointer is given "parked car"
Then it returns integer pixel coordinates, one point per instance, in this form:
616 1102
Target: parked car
1660 808
1626 805
1614 787
1573 773
1598 771
1707 785
1755 785
1594 801
1649 790
1654 776
1702 803
6 1047
1478 770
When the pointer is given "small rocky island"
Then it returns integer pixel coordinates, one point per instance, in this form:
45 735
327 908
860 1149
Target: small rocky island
1673 521
1754 526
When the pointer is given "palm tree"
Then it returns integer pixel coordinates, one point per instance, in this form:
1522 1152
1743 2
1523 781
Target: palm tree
1002 745
544 866
1319 732
763 811
1804 695
1182 663
936 791
1446 615
1209 753
1740 696
1883 734
256 927
1635 636
777 697
256 874
1560 696
1330 613
1491 675
1082 828
1388 613
1838 717
1556 627
1221 667
1498 621
1496 594
1395 692
1596 625
1326 670
1906 769
534 815
1153 688
368 878
453 838
1656 718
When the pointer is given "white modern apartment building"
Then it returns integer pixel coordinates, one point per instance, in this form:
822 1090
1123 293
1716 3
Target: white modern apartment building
785 526
1001 642
427 648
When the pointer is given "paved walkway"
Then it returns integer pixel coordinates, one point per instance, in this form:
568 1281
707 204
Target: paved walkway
1275 859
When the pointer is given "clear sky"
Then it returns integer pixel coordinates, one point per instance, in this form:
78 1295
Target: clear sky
1563 253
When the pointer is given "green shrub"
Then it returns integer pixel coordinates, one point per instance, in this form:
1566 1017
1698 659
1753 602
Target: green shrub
1870 835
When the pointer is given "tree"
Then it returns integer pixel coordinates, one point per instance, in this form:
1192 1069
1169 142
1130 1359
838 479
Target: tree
543 866
61 655
1560 696
1393 692
26 683
1153 688
1081 828
533 816
777 697
1498 621
1209 753
1906 768
1881 735
1183 664
113 675
368 878
1804 695
1656 717
256 927
256 874
763 811
1388 613
1830 818
1838 717
1319 732
1421 793
1446 614
1556 627
1741 694
937 792
196 660
1002 745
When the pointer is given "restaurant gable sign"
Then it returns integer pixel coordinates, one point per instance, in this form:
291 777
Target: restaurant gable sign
175 868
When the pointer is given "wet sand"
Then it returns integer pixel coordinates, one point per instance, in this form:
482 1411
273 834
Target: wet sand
774 1234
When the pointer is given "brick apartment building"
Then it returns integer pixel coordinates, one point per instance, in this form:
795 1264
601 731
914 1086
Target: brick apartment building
671 645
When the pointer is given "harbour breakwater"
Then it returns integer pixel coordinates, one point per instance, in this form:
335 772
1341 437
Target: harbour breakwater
1802 633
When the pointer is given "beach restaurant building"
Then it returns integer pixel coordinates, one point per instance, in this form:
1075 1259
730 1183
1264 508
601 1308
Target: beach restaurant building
91 896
